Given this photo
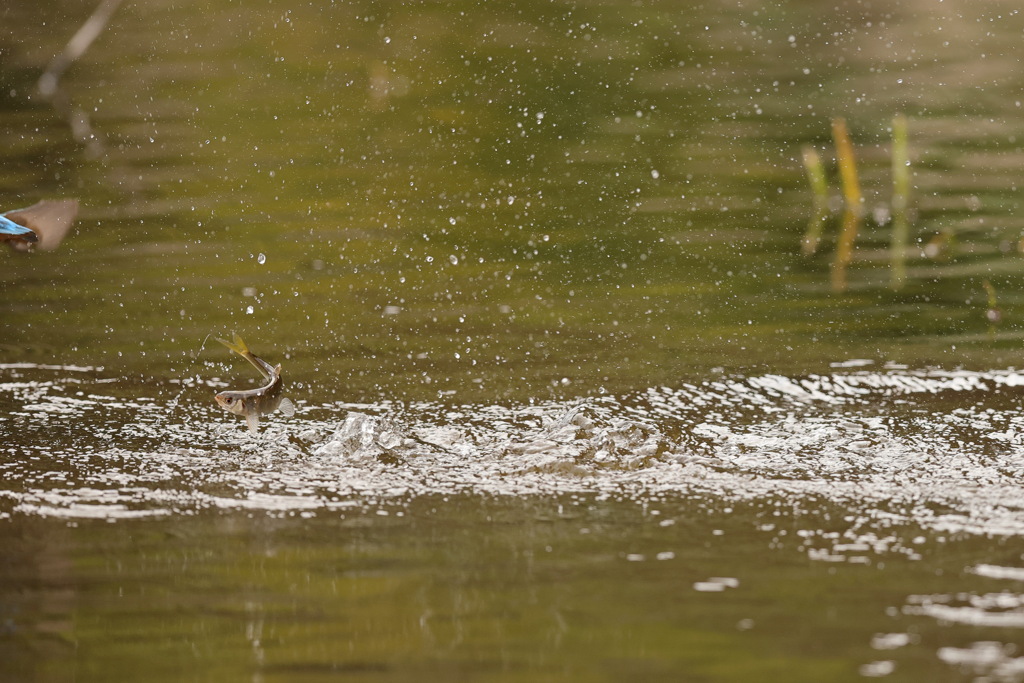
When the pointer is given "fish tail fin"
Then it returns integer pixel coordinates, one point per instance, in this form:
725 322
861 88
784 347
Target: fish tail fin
287 407
238 346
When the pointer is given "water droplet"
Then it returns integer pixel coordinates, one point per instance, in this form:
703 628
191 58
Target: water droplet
262 258
454 260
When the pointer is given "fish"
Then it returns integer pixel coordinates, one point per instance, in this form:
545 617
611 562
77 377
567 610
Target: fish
46 222
254 403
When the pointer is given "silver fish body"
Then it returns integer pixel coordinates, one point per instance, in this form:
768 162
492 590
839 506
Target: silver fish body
254 403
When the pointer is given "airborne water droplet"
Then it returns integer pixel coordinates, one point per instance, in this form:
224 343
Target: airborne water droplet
261 259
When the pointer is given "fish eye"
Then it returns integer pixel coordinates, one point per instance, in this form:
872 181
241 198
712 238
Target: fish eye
229 399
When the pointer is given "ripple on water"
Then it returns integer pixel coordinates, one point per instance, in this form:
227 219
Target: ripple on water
943 449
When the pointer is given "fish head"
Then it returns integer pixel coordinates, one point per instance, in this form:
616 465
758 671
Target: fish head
231 401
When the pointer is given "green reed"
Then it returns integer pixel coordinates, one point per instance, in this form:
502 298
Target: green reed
900 200
816 178
852 203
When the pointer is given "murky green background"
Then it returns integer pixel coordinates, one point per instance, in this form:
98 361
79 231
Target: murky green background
367 148
476 207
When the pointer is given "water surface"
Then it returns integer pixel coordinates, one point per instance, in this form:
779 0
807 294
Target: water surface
572 403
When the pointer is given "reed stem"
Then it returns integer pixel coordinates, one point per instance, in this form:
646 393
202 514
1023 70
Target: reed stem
900 201
819 186
853 203
847 166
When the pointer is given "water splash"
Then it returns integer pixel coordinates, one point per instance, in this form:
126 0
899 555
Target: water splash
940 449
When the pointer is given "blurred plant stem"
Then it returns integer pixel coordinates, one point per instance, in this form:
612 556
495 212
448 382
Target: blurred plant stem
816 177
853 203
900 199
992 312
49 82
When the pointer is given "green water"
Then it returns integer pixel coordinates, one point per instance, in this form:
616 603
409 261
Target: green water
364 148
572 588
469 218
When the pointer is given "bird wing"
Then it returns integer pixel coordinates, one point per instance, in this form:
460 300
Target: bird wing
49 219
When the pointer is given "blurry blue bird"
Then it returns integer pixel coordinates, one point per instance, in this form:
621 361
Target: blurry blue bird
42 225
9 230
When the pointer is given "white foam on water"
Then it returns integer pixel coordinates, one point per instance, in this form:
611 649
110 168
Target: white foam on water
940 449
